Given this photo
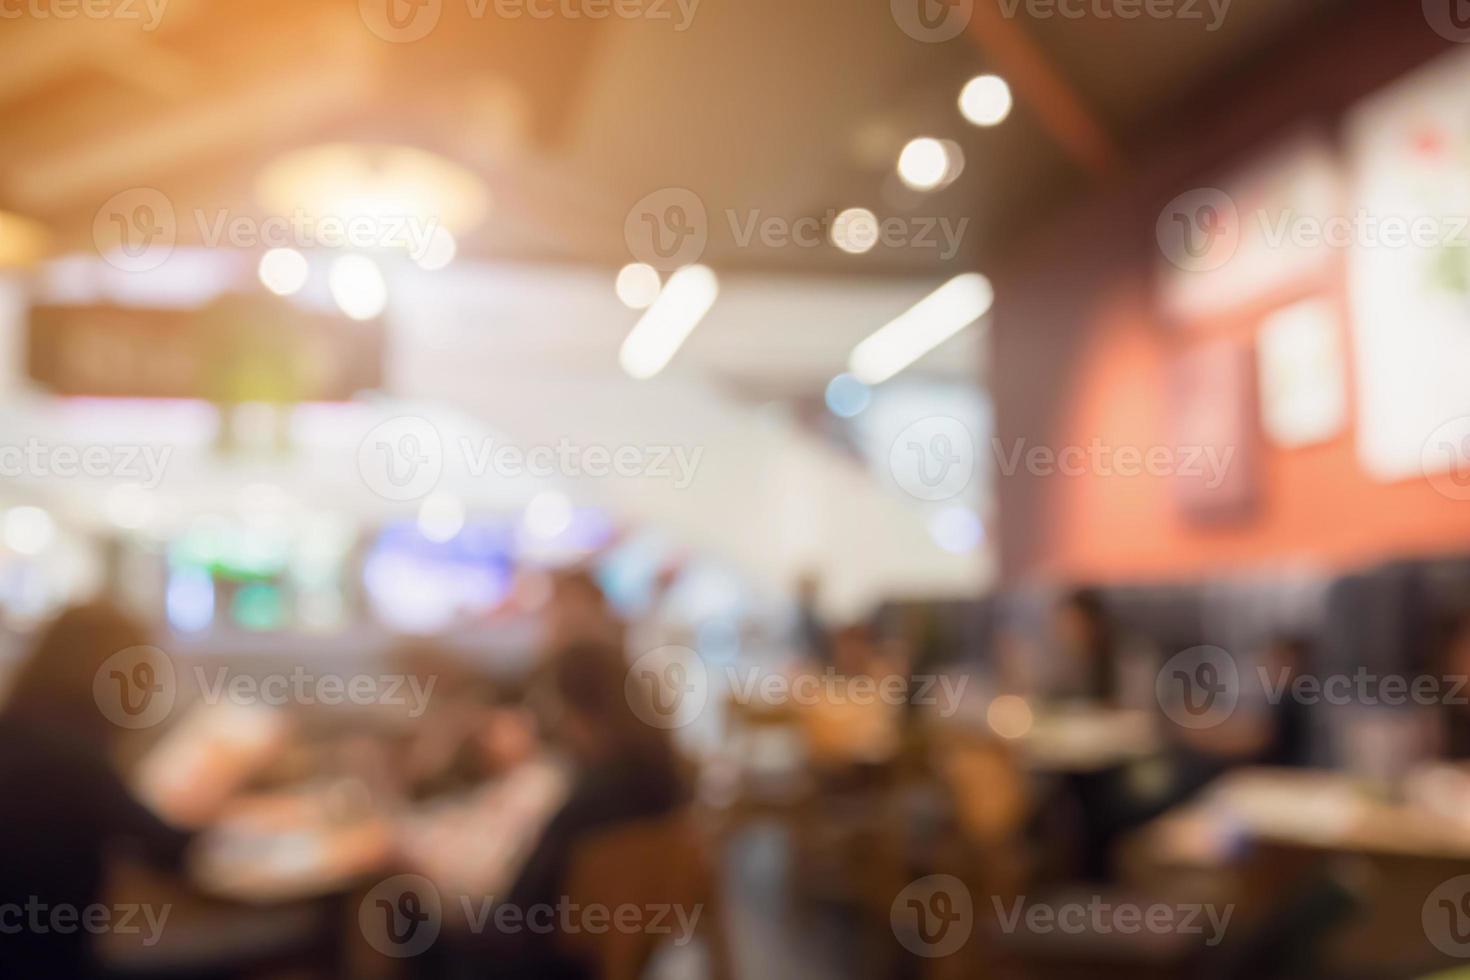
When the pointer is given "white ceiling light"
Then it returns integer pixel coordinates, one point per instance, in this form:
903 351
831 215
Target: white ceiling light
925 163
441 517
358 287
673 316
283 271
986 100
129 506
957 529
548 514
28 530
855 231
363 180
438 250
929 323
638 285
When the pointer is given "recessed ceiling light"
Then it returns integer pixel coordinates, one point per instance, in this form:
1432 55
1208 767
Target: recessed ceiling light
986 100
28 530
358 287
927 163
548 514
438 251
855 231
283 271
441 517
638 285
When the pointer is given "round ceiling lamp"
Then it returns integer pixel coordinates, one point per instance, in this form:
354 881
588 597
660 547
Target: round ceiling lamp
377 181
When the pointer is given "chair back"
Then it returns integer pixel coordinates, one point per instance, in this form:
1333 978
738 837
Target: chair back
660 866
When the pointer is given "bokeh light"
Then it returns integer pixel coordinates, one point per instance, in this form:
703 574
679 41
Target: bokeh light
847 396
986 100
283 271
358 287
638 285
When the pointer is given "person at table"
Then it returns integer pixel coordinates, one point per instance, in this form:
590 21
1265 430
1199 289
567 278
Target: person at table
1454 722
1087 640
814 640
579 612
1286 740
63 808
1270 728
439 750
623 771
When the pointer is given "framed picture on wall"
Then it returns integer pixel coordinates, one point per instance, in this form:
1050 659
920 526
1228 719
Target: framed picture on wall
1247 237
1299 358
1212 391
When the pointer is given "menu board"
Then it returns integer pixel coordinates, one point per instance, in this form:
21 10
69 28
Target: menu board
237 349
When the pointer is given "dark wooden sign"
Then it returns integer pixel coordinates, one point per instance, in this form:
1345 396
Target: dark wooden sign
238 349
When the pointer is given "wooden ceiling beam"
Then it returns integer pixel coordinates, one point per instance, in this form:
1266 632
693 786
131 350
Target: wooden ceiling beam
38 52
1038 82
289 104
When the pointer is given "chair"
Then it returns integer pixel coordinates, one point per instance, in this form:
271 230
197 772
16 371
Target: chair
989 805
661 862
846 832
763 746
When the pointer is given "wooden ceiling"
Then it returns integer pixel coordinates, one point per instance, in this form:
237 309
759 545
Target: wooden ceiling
771 106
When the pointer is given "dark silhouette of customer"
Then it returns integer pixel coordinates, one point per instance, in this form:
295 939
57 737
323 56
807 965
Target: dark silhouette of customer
1089 646
624 770
63 808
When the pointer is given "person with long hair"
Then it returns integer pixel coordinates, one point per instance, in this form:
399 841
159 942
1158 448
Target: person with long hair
1454 667
579 612
623 770
63 807
1089 647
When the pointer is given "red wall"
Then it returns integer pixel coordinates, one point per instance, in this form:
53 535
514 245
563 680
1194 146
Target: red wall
1080 352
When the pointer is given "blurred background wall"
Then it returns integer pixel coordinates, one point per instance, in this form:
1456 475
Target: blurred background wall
1088 347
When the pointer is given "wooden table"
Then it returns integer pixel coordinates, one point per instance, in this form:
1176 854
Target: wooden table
1262 833
1087 740
268 887
281 874
1309 809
